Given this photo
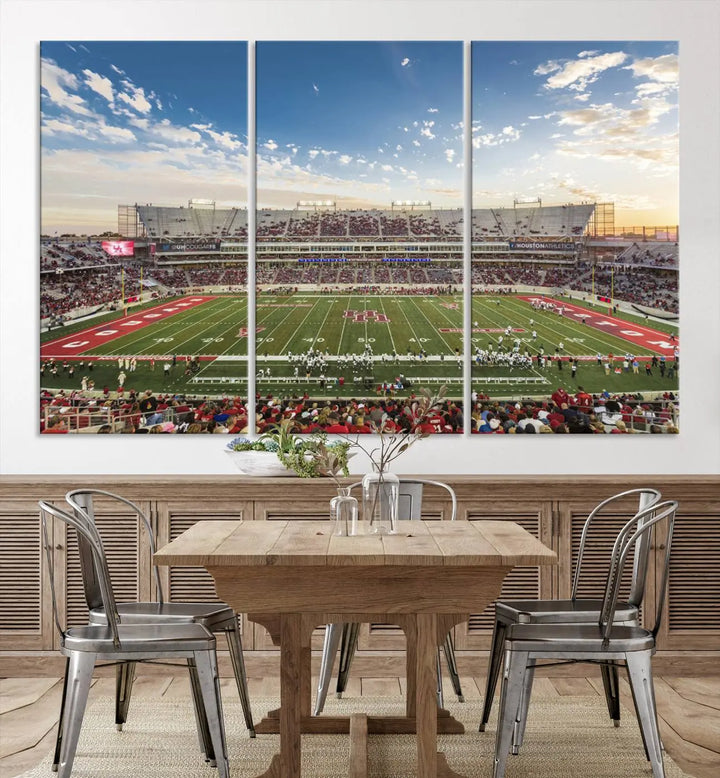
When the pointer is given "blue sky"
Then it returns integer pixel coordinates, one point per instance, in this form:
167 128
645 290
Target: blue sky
573 121
125 122
362 123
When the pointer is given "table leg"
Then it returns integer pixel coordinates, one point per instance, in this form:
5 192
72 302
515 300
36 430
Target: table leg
295 631
425 697
430 763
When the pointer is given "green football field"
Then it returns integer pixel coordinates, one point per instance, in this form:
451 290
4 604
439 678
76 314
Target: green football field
396 328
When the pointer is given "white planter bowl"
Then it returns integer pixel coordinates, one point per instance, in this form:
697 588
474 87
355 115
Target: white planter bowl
259 463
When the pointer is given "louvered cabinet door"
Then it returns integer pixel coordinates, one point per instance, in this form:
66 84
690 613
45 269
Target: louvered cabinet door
26 620
598 547
127 550
691 618
194 584
521 582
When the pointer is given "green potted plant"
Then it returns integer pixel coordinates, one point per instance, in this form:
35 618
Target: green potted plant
280 452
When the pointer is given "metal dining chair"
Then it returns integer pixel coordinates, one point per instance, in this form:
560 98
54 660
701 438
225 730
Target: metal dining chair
576 610
214 616
345 635
115 641
599 643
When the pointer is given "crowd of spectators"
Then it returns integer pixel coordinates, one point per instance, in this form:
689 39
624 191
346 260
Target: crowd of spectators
656 254
71 256
650 286
561 413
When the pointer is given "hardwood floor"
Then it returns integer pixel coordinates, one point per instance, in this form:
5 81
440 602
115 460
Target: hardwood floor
689 710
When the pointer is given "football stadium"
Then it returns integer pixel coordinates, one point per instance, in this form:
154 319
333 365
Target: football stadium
360 308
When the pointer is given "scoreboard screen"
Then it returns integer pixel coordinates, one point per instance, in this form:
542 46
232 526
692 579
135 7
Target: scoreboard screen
119 248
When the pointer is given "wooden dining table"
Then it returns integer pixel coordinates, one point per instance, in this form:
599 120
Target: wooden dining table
293 575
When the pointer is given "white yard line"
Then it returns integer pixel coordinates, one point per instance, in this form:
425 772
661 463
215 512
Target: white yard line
432 326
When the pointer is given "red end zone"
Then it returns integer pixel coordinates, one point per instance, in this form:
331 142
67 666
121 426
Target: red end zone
78 343
648 338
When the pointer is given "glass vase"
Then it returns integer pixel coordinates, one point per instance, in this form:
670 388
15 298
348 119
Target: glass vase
381 492
344 512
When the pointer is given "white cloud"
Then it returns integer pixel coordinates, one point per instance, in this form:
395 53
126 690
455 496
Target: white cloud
398 147
662 74
117 70
548 67
449 154
508 134
534 117
116 134
135 97
583 98
270 144
386 168
588 53
344 159
158 103
578 74
143 124
316 89
54 80
56 126
416 143
226 139
100 84
313 153
174 133
433 110
404 62
427 132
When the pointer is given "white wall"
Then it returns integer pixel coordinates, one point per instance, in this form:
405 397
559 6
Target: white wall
695 23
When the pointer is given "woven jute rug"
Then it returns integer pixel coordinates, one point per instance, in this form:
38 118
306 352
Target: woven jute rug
566 737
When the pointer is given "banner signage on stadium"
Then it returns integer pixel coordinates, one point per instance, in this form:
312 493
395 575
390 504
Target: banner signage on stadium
322 259
539 245
193 246
119 248
406 259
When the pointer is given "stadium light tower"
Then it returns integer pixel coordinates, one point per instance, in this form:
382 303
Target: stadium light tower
315 204
411 204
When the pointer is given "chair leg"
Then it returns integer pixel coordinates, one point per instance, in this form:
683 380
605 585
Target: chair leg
494 667
79 677
348 644
449 649
207 673
510 694
238 663
639 670
521 720
58 738
124 677
333 633
612 690
206 745
438 675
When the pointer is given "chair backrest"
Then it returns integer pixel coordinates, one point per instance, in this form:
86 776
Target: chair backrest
411 494
647 498
89 537
640 529
82 502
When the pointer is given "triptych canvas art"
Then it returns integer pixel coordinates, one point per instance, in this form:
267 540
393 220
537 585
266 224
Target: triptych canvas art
526 265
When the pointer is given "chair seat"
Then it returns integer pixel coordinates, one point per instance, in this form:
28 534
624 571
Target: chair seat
210 614
559 611
140 638
581 638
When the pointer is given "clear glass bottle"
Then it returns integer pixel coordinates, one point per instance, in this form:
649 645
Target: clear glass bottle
344 512
381 492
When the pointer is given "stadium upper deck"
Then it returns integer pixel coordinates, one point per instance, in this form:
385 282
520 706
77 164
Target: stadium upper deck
539 222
